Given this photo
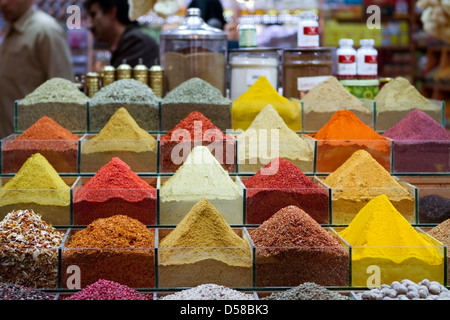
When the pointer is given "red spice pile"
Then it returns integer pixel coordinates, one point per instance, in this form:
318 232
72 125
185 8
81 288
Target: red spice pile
268 193
41 137
196 127
108 290
303 251
115 190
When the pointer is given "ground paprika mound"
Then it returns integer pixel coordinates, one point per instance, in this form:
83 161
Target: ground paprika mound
118 248
115 190
380 236
195 129
344 134
420 144
268 193
57 144
292 248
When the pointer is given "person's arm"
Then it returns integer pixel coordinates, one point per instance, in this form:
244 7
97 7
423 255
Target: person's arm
54 53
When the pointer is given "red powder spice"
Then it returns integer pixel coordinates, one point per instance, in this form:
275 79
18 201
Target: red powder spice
292 248
420 144
57 144
109 290
268 193
344 134
201 130
115 190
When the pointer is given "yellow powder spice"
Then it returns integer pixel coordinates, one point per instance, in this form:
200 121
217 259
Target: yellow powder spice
260 94
204 234
121 133
36 182
381 236
360 179
290 145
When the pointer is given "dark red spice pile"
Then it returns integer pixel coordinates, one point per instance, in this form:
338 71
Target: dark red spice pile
293 248
108 290
57 144
115 190
268 193
420 144
191 126
11 291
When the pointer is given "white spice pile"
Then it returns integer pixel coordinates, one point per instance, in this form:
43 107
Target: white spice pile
209 291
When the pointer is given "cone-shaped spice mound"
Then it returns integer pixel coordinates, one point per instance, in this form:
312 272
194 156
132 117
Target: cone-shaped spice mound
293 248
42 183
47 129
115 190
206 235
285 185
121 133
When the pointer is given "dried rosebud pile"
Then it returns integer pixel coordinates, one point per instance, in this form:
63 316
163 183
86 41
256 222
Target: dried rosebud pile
9 291
108 290
29 250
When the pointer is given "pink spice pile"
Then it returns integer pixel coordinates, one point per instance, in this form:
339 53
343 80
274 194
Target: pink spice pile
108 290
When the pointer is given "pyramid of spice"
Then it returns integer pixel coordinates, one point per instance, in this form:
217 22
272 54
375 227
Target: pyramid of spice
208 236
381 236
441 232
57 144
108 290
360 179
344 134
57 98
131 262
121 133
200 176
259 95
195 94
29 254
289 144
36 182
293 248
420 144
115 190
138 98
287 185
200 129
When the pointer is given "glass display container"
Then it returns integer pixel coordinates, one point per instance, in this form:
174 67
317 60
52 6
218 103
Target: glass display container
194 49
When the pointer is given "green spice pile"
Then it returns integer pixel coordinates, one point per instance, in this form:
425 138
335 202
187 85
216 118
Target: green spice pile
10 291
29 254
136 97
306 291
55 90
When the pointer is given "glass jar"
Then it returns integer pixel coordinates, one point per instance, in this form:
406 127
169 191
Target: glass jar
194 49
304 68
247 65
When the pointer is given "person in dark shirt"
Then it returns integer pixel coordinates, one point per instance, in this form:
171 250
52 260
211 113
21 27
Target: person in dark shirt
211 12
110 24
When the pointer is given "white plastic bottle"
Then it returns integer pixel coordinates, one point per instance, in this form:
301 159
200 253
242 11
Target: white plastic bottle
346 55
308 30
247 33
367 60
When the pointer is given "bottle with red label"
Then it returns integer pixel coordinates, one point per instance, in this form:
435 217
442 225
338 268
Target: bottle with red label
346 55
308 30
367 60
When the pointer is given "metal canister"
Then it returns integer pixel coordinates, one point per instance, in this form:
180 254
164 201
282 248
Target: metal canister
92 83
124 71
384 81
140 73
156 80
108 75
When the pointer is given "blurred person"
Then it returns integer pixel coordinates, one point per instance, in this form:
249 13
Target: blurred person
109 23
211 12
34 50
